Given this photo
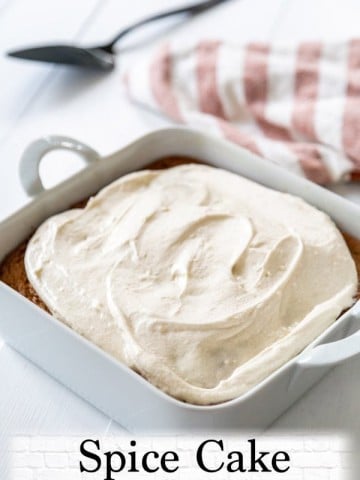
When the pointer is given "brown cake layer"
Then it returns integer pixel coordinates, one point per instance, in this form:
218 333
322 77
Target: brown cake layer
12 270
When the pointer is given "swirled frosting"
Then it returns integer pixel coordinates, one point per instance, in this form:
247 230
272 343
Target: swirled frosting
201 280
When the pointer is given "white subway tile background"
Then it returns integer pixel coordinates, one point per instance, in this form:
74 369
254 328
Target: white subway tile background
326 457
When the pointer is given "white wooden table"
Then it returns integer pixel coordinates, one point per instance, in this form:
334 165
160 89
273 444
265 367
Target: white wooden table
36 100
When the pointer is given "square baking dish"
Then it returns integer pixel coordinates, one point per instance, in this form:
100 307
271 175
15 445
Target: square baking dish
106 383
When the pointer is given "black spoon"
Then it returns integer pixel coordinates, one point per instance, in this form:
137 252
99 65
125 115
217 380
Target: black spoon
102 57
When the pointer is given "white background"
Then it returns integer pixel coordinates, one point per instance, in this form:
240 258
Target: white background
37 100
57 458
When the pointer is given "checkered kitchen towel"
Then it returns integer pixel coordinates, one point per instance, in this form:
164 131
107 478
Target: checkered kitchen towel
296 106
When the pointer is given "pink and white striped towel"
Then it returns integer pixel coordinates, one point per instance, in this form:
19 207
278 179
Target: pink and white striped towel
296 106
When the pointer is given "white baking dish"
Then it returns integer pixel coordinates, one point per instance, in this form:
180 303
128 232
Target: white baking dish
111 386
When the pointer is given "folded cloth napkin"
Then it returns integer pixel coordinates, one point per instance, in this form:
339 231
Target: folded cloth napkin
298 106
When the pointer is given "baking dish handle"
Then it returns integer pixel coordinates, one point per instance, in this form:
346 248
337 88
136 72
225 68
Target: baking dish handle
34 153
335 353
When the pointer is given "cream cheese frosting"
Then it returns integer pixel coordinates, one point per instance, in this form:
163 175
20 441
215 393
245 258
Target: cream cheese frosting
202 281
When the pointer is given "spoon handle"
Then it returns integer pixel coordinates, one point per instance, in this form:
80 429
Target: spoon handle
190 9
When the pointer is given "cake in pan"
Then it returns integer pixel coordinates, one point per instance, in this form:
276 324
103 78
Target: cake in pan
200 280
